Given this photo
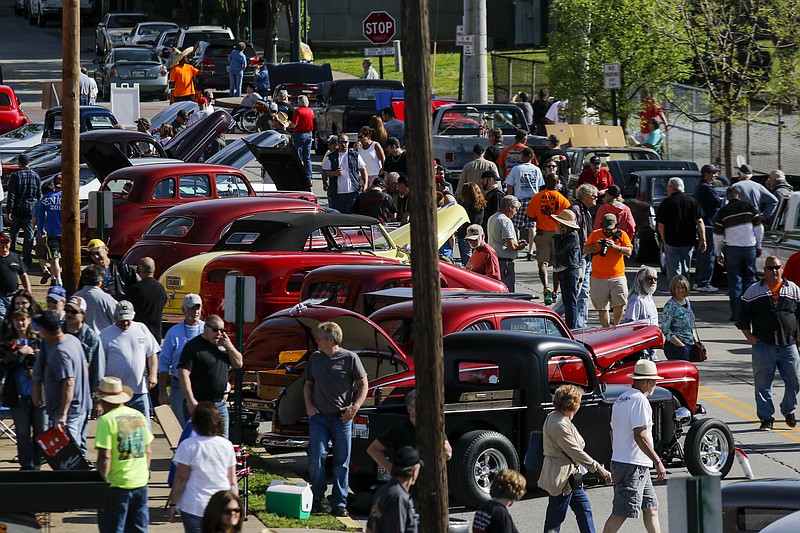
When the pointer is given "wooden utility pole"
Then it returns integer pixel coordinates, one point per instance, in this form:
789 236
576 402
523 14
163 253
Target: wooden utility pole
432 489
70 155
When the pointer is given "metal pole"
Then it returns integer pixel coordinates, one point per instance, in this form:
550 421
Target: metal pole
101 217
614 106
475 71
236 430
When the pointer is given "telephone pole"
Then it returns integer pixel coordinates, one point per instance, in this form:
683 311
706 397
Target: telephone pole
476 89
70 138
425 269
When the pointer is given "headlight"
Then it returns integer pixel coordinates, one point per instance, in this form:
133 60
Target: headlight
682 416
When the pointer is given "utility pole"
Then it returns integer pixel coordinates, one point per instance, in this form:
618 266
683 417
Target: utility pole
432 486
70 137
476 90
295 55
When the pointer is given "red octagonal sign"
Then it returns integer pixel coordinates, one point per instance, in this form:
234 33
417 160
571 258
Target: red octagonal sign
379 27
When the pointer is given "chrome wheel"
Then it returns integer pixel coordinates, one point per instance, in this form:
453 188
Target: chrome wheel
488 463
714 450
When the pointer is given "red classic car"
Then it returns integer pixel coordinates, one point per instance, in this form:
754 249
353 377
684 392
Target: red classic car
190 229
11 115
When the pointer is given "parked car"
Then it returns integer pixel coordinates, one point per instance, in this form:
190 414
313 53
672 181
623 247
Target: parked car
40 11
132 64
11 114
164 43
754 505
112 28
23 138
211 57
146 33
190 229
191 35
91 117
620 169
780 236
579 157
345 106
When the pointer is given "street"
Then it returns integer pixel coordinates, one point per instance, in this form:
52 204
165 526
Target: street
31 55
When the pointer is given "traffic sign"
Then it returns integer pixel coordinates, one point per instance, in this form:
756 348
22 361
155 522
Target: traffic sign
379 51
612 76
379 27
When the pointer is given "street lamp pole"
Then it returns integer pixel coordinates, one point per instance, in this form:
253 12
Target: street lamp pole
200 20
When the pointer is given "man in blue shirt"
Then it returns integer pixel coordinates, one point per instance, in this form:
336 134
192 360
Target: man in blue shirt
47 218
236 63
261 78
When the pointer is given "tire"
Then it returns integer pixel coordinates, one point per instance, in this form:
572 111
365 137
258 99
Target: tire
477 456
709 448
246 121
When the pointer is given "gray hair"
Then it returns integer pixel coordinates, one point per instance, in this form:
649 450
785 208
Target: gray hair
509 201
411 398
638 283
302 100
777 175
585 190
734 191
391 177
147 265
677 183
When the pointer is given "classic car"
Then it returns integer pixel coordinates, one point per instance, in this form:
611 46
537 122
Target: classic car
132 65
112 29
190 229
185 277
345 286
211 57
91 117
754 505
11 114
146 33
17 141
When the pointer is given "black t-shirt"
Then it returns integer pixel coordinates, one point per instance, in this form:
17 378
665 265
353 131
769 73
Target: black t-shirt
493 517
395 164
376 204
493 152
392 510
398 435
11 266
209 367
493 198
679 214
148 298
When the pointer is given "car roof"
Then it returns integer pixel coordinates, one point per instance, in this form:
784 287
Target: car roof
113 134
133 47
469 302
170 168
232 205
203 28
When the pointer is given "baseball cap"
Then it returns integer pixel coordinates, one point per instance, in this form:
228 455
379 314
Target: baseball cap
124 311
595 159
5 235
406 456
144 122
57 293
274 108
613 191
94 244
23 159
709 169
182 113
202 100
609 221
332 139
76 303
746 169
489 174
191 299
474 232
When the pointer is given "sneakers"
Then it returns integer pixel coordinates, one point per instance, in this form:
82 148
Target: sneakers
791 421
707 288
46 276
529 256
766 425
548 296
340 512
555 297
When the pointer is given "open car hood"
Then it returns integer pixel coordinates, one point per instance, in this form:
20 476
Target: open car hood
612 344
103 158
448 218
170 113
278 156
190 143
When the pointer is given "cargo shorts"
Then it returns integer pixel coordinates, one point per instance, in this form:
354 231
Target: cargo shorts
633 489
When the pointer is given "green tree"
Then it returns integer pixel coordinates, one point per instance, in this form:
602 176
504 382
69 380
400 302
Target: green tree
590 33
233 10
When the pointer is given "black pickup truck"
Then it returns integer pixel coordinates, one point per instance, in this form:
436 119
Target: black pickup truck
499 387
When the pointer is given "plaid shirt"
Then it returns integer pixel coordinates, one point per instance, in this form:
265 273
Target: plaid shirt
24 189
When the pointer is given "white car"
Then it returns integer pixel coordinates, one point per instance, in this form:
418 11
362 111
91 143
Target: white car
146 33
112 29
43 10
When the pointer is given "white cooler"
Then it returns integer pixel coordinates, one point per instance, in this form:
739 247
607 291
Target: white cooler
289 498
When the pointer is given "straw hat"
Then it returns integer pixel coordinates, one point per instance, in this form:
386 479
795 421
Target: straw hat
283 119
645 369
567 217
111 390
182 55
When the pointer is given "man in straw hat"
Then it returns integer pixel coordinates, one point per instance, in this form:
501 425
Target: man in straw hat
123 458
182 75
483 259
632 452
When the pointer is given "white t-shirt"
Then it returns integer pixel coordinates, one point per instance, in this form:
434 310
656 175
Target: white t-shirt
209 458
126 354
343 185
631 410
199 115
527 179
370 157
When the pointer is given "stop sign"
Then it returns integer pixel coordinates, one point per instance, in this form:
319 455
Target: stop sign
379 27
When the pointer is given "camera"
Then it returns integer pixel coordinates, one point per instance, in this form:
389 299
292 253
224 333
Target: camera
605 244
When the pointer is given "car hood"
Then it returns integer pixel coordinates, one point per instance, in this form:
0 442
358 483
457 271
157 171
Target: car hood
170 113
190 144
612 344
448 218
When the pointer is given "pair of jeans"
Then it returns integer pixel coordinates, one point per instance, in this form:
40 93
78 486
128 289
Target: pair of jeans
678 260
141 402
704 266
676 353
77 427
235 77
127 512
177 401
557 506
22 222
191 523
223 411
30 421
323 429
740 264
5 301
507 274
765 358
465 250
302 142
343 202
568 279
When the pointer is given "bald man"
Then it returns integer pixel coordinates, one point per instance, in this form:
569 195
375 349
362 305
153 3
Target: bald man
148 297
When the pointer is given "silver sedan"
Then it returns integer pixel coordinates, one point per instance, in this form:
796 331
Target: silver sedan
132 64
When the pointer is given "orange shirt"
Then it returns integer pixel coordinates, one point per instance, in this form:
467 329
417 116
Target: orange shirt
775 290
183 76
613 264
512 156
542 205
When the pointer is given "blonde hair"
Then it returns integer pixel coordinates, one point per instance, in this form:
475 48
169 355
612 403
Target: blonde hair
332 331
567 398
679 280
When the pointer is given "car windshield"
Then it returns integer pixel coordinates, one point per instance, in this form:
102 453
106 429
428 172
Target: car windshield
361 238
660 186
23 132
153 29
135 56
470 121
121 187
124 21
170 227
192 38
42 152
169 38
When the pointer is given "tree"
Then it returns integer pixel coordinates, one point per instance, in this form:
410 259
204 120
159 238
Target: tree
233 10
591 33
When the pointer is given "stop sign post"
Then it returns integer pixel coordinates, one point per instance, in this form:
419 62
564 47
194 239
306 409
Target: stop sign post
379 28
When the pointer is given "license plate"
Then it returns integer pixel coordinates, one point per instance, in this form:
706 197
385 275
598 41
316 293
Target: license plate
83 217
138 73
361 427
174 282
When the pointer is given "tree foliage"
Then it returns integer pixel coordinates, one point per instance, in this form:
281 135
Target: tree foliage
590 33
234 9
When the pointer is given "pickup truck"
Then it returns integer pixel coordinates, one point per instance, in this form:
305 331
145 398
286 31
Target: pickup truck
459 127
345 106
498 389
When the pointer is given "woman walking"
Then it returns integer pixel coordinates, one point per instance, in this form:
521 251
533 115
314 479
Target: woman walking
565 461
372 154
678 322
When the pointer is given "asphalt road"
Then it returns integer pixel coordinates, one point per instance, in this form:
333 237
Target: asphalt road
31 55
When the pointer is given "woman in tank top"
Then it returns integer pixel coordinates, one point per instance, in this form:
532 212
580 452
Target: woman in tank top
371 152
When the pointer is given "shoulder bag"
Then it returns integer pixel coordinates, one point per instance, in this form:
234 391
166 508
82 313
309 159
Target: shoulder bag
697 351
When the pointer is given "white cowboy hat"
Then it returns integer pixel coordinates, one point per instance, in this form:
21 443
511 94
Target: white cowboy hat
111 390
182 55
567 217
645 369
283 119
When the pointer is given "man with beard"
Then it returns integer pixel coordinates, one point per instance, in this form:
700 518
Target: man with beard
641 306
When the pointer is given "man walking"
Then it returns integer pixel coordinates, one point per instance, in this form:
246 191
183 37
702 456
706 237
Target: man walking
24 189
203 369
710 202
483 259
303 127
680 223
545 203
738 227
75 310
346 173
473 170
768 318
174 341
12 272
335 387
148 297
503 238
609 247
100 305
633 453
123 459
392 507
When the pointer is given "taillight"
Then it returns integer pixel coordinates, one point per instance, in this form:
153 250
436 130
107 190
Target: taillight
163 71
206 62
112 72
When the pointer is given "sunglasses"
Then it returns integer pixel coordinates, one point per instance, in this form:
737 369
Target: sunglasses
773 267
236 510
342 142
215 330
650 278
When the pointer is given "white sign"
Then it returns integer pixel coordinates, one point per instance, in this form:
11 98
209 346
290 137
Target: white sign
463 40
612 76
459 30
101 200
611 68
379 51
249 304
469 50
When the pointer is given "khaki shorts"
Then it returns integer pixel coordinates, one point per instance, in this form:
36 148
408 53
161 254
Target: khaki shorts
545 249
608 290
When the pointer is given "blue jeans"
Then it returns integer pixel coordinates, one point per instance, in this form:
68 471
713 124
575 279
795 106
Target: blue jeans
676 353
191 523
465 250
302 142
5 301
557 506
740 263
127 512
77 427
568 279
235 88
223 411
678 260
343 202
322 429
22 222
704 267
765 358
176 401
29 422
141 402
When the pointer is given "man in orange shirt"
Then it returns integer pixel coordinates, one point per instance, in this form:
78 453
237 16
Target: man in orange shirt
182 75
609 246
512 155
542 205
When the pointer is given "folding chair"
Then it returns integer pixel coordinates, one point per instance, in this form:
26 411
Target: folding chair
5 429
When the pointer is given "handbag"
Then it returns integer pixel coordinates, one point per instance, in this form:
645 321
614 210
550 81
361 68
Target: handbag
575 480
697 351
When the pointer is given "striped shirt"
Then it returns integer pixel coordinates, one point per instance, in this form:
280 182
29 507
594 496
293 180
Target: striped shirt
771 322
737 224
24 189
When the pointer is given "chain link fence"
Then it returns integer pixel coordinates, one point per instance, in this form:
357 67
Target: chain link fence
514 72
